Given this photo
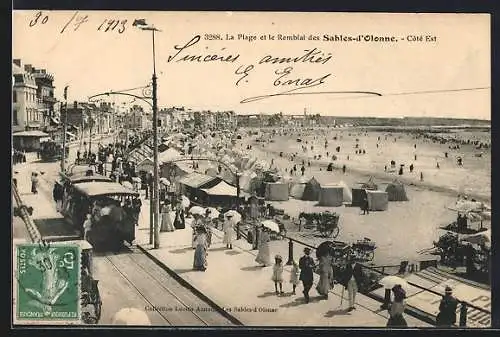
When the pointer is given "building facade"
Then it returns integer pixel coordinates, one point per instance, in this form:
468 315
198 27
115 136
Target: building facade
25 113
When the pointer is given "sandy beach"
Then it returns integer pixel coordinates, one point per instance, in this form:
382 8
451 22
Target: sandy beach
413 225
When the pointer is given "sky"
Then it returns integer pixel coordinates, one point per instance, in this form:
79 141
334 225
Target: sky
444 75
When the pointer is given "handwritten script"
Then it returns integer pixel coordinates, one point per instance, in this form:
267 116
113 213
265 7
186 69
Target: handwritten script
77 20
286 80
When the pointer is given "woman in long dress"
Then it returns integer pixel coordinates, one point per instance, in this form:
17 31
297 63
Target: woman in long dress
166 220
264 255
325 283
229 232
200 253
197 222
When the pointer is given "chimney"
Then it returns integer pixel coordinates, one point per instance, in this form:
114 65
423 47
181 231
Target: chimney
17 62
28 68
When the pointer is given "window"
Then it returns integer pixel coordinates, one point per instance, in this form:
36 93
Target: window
14 96
27 96
14 117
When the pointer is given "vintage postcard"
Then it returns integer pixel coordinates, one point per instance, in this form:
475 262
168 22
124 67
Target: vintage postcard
246 169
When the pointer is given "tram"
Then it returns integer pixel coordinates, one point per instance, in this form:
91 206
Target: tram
110 207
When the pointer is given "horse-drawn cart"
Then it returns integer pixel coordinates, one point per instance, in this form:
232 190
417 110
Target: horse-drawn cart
91 302
325 222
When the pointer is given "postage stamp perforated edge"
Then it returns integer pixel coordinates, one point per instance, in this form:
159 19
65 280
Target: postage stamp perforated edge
16 287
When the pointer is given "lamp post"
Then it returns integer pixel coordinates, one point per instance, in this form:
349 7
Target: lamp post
141 24
63 159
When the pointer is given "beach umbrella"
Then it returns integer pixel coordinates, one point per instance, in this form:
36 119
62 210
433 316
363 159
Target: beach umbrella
271 225
185 201
131 316
236 216
212 213
390 281
197 210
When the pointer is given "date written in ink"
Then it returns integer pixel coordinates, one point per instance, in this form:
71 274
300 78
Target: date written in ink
78 19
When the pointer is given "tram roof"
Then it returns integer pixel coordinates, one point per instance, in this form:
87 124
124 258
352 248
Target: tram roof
98 188
82 177
83 244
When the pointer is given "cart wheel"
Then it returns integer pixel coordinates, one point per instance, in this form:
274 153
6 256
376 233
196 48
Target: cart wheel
370 255
334 232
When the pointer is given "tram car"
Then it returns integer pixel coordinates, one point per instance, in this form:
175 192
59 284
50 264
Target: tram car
51 151
110 206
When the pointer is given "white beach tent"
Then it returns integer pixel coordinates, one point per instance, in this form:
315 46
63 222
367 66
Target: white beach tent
246 179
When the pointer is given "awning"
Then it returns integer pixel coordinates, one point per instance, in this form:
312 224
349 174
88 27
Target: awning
197 180
221 188
34 133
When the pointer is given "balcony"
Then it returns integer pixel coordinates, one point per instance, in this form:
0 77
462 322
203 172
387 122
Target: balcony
49 99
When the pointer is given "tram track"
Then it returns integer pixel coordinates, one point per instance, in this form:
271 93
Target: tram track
129 278
174 303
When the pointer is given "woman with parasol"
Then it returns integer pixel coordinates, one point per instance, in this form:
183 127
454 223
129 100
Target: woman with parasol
166 221
229 232
325 269
397 308
201 245
264 255
325 253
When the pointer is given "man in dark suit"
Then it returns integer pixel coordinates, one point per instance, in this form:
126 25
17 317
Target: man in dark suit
447 315
351 280
306 265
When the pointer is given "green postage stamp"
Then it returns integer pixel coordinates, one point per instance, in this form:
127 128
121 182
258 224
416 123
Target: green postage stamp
48 282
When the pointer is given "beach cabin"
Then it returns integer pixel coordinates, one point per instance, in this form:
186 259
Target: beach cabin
377 200
276 191
331 195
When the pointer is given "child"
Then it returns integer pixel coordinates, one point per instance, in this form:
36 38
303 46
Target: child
294 276
278 274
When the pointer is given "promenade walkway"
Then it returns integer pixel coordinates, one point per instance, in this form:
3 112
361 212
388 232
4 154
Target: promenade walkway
234 281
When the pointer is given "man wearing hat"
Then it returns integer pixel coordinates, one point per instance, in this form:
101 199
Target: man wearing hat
447 315
352 279
306 265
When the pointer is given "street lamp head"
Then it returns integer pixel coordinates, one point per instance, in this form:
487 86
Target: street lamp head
141 24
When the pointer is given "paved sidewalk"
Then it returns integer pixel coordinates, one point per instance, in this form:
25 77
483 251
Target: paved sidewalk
233 280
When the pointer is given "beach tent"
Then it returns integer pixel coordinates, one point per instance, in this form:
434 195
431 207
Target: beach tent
245 180
221 189
306 189
347 193
312 189
396 191
331 195
169 155
276 191
377 200
297 190
369 185
145 165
